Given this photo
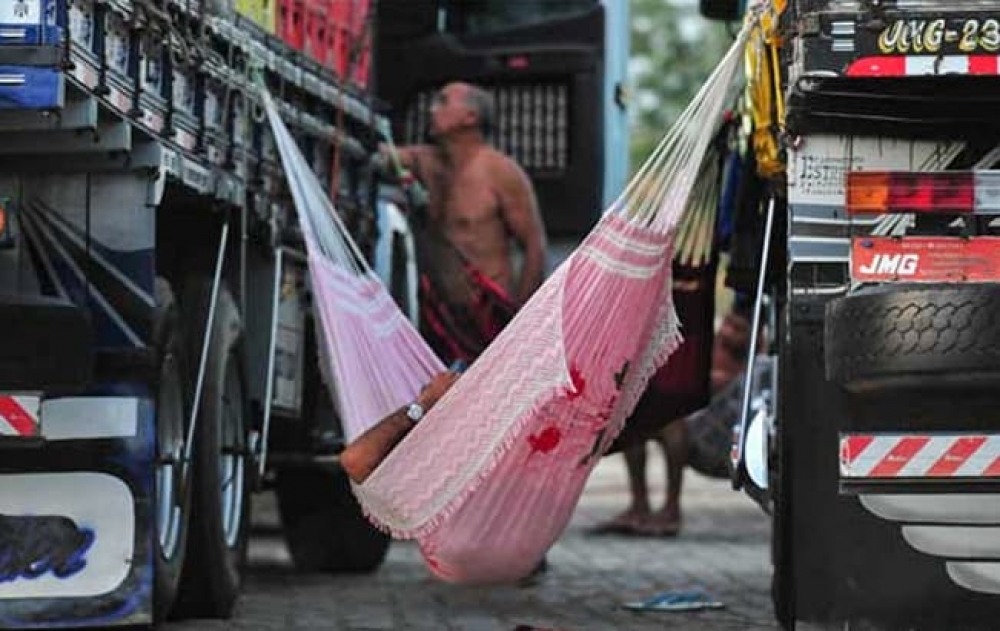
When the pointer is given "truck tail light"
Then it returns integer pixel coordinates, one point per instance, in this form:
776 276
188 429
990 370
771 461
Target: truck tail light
878 192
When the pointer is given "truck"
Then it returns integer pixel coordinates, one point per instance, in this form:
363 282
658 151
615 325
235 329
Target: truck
158 362
873 446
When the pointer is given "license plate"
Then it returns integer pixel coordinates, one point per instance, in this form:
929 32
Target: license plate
933 42
925 259
940 35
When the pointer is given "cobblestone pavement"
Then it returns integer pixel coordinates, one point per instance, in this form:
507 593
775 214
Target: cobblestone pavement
723 550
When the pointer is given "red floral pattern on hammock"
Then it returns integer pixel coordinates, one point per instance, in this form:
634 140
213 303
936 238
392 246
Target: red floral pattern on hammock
586 438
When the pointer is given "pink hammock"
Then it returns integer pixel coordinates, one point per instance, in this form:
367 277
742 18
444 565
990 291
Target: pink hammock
488 479
534 413
372 359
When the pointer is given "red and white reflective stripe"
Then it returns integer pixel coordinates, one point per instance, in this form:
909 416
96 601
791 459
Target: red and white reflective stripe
920 65
920 456
19 415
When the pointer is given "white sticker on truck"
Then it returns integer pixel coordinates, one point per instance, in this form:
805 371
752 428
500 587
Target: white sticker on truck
64 534
77 418
21 12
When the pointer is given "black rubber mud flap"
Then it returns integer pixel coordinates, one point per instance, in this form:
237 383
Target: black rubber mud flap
48 344
915 337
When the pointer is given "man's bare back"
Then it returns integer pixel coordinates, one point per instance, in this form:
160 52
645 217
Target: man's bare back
481 199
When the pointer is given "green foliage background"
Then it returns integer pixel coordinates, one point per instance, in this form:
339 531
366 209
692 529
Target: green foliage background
673 51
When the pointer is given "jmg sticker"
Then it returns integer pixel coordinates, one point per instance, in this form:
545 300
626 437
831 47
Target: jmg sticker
925 259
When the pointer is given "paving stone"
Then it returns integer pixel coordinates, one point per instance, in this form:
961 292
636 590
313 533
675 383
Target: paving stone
723 549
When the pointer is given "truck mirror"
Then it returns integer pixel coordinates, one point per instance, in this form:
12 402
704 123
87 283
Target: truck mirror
727 10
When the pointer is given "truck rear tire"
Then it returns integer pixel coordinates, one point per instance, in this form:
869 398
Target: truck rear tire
324 525
221 479
914 337
173 502
782 579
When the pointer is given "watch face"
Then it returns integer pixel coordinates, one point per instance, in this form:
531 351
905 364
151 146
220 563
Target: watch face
415 412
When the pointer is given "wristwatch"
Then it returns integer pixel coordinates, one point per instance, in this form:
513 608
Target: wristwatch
415 412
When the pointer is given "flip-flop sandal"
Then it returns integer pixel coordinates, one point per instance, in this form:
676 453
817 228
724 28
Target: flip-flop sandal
675 601
665 531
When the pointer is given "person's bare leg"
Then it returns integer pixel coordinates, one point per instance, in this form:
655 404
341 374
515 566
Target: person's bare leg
674 440
638 512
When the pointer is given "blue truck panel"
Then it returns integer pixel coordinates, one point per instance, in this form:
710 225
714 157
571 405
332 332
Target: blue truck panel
26 87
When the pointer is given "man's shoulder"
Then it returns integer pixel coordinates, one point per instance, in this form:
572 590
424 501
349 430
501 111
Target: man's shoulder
499 157
505 164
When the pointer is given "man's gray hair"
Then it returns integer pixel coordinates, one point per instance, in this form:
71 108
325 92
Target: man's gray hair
481 102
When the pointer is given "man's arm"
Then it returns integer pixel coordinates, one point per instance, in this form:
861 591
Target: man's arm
524 221
408 156
368 451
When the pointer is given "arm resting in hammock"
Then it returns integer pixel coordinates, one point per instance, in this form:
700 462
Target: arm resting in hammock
367 451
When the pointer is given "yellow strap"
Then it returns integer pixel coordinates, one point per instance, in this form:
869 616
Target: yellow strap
764 99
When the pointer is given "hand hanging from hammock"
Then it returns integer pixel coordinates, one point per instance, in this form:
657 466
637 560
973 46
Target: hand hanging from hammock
364 455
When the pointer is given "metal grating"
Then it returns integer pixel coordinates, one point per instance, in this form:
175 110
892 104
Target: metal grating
531 126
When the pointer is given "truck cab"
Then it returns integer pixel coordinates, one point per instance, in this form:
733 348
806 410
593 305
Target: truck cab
876 451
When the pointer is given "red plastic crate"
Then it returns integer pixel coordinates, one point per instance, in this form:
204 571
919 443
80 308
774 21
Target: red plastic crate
360 9
340 51
316 24
341 12
359 74
362 24
351 17
291 22
330 46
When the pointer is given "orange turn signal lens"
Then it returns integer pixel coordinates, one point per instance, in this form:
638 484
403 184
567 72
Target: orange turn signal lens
867 192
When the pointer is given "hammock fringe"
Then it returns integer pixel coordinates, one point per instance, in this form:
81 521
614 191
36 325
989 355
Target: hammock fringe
497 456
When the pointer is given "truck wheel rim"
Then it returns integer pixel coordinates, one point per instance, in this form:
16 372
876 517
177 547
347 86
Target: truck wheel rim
170 449
231 457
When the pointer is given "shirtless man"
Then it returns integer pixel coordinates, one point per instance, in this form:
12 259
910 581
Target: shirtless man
480 201
480 198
